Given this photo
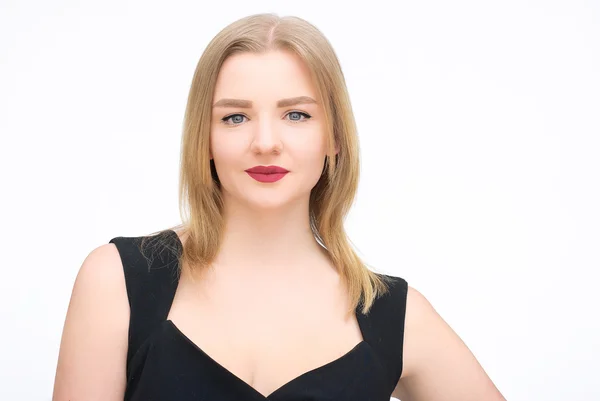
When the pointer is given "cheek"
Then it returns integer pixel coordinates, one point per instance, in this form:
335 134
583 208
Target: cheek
310 158
313 146
225 146
226 155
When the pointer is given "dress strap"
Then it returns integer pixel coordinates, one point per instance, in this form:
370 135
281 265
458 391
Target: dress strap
151 273
383 326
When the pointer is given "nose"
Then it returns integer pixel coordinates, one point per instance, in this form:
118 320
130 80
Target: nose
266 138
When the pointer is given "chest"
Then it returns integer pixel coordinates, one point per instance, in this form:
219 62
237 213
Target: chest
270 336
170 367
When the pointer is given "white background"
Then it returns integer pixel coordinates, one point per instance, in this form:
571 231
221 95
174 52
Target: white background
479 129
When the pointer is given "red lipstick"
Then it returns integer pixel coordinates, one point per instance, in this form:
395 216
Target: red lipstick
267 173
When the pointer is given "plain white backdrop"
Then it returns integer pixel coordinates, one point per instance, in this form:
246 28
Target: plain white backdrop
480 148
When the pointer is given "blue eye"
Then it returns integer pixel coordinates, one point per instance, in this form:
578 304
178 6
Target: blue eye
237 119
299 115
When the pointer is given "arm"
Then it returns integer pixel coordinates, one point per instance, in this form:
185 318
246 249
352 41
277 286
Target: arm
438 366
93 349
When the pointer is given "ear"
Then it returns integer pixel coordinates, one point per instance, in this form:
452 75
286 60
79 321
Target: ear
337 147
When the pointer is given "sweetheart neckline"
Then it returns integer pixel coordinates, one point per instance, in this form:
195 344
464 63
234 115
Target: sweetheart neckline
183 336
252 389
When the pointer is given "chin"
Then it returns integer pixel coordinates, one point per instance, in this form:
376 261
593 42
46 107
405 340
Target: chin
267 203
279 199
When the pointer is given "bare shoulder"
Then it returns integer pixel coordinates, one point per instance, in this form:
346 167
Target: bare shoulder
102 266
92 355
100 284
437 364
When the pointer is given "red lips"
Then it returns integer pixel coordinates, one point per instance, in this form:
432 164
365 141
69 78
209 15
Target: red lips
267 170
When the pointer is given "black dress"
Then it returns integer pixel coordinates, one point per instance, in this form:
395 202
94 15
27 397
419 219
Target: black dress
164 364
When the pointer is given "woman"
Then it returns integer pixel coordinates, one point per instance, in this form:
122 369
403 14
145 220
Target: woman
259 295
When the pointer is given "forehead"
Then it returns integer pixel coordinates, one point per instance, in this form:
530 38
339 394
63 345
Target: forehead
276 74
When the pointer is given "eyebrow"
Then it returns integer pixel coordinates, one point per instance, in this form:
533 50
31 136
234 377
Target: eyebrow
247 104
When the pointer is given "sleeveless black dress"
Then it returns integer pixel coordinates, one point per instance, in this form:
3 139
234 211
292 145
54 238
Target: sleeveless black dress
164 364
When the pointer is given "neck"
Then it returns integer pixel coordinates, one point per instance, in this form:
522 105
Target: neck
269 240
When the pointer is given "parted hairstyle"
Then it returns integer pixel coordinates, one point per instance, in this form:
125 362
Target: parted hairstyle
200 197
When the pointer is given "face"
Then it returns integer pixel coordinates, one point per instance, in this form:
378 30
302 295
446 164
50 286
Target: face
265 113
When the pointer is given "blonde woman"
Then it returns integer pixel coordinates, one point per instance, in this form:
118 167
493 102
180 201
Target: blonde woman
259 295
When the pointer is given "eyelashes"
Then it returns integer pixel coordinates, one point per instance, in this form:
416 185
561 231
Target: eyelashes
237 119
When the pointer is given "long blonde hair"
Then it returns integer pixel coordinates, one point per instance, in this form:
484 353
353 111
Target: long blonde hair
331 198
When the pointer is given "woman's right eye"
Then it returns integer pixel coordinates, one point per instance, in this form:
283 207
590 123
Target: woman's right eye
234 119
